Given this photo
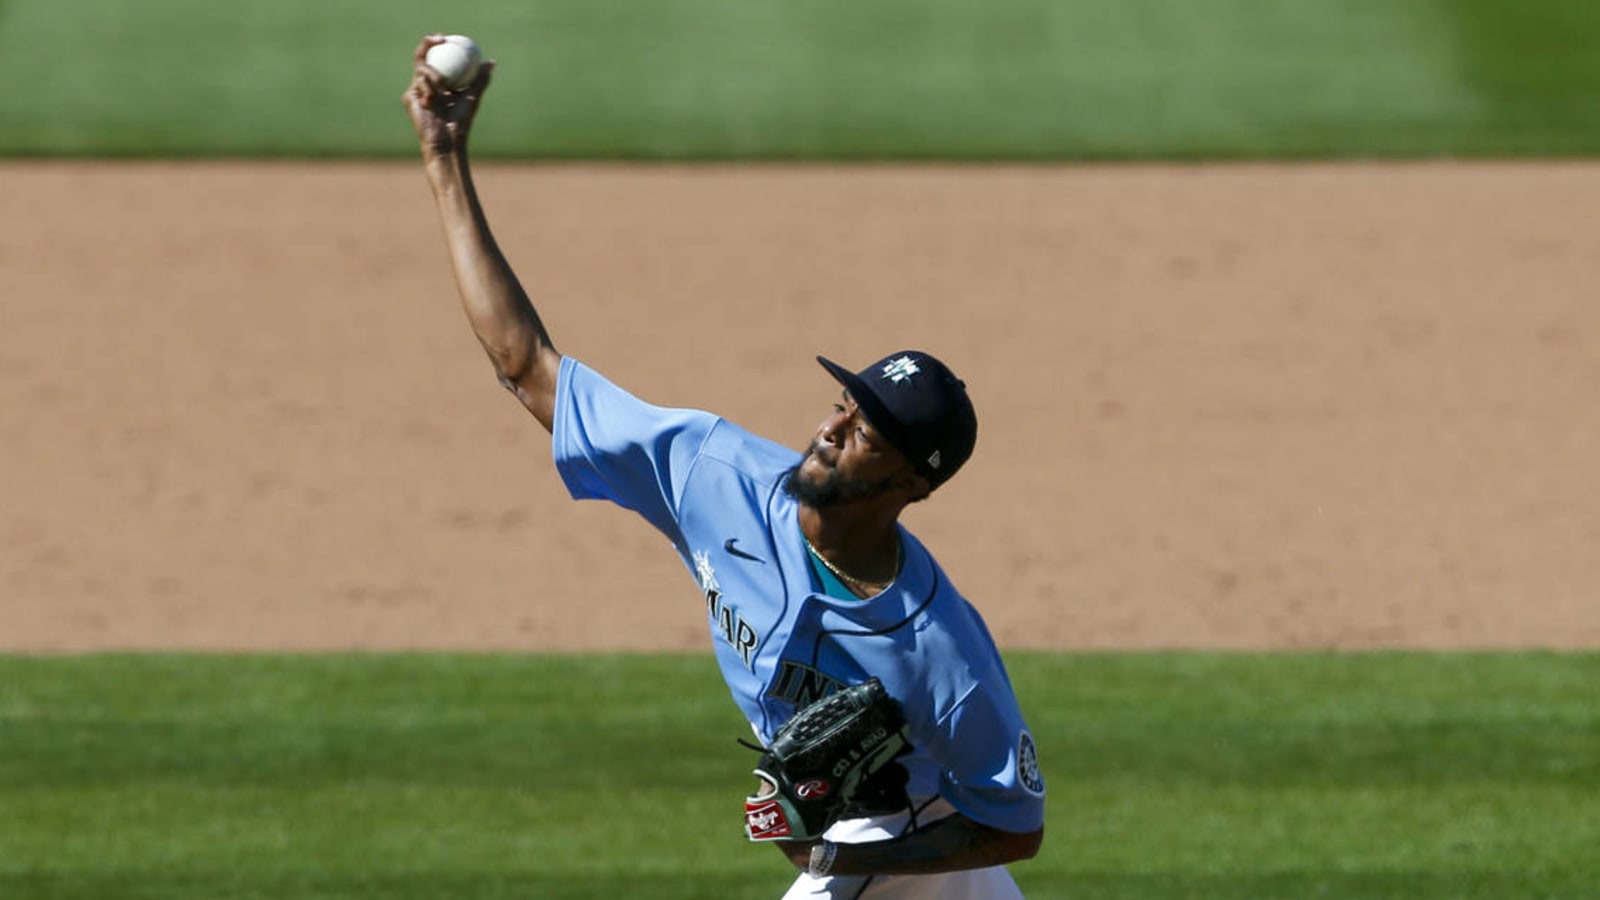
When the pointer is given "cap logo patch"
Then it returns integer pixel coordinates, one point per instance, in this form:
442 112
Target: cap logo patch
900 369
934 459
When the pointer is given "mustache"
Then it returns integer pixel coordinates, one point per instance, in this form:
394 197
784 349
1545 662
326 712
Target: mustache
814 449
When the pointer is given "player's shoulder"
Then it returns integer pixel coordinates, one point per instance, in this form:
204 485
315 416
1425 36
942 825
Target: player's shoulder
954 634
577 379
725 440
946 602
590 408
747 454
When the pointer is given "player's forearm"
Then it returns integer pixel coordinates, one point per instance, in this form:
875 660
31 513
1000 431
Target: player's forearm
497 307
952 844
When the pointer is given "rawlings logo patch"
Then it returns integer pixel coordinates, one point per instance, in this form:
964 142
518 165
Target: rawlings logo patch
765 821
812 789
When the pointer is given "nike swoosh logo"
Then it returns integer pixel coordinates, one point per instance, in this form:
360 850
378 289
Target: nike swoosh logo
728 545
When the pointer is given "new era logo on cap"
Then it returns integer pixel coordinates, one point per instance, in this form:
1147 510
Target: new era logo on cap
919 406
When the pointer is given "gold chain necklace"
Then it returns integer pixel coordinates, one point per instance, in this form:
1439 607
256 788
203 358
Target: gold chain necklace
851 579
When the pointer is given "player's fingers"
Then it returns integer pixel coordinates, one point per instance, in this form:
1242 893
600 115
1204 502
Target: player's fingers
425 100
420 99
417 93
428 41
481 82
435 82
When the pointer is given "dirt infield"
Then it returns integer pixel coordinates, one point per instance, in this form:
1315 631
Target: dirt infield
1247 407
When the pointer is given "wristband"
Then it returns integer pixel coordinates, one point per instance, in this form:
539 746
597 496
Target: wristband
822 859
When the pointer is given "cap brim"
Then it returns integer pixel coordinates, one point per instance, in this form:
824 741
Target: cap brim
877 413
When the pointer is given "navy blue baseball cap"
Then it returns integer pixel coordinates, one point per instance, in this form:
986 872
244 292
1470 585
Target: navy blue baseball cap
919 406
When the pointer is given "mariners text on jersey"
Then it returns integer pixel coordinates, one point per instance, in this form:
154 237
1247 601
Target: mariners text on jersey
724 618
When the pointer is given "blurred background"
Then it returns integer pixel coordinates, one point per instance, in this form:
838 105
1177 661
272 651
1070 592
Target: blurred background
1316 373
1280 318
824 80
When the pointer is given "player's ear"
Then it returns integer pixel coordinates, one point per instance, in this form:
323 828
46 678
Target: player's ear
916 487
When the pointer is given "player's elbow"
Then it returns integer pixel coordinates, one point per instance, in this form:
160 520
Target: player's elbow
533 382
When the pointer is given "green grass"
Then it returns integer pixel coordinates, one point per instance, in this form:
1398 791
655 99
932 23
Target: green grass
1411 776
774 79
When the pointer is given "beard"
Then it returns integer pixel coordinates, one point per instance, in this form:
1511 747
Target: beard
833 490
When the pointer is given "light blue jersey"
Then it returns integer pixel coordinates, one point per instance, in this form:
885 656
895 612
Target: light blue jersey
715 491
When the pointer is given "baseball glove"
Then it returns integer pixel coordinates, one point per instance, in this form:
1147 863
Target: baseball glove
830 754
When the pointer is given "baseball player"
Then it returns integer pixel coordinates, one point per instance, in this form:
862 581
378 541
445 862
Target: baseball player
810 582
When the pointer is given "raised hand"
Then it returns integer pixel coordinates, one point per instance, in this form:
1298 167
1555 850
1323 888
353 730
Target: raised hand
443 117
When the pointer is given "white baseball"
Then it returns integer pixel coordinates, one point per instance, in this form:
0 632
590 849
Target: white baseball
456 60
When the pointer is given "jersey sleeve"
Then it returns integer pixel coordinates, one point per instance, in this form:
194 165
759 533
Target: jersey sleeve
990 762
610 445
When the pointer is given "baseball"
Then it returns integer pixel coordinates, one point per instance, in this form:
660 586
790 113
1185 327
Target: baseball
456 60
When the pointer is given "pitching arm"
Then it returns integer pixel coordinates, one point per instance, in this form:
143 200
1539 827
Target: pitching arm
497 306
952 844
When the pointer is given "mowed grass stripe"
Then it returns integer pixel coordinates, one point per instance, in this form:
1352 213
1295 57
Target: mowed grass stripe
415 775
831 79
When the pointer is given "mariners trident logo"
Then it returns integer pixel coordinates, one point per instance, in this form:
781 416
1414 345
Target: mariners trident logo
725 618
1028 766
900 369
703 571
